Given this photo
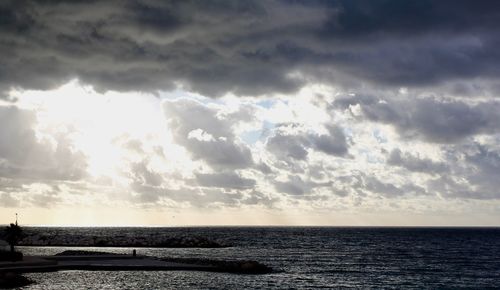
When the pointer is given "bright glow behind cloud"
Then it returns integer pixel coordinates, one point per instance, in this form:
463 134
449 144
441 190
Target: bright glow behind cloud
183 153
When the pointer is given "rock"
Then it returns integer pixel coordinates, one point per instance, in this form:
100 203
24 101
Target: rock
83 253
12 280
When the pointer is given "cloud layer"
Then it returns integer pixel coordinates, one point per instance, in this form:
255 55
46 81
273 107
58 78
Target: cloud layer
246 47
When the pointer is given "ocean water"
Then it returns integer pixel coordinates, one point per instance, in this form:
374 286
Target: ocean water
305 257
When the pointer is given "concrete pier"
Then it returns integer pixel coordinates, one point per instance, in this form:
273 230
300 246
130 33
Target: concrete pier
101 263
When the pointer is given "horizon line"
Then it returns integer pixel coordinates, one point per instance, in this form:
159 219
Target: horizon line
256 226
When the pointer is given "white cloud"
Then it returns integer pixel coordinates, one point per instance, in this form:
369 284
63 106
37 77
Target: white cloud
194 153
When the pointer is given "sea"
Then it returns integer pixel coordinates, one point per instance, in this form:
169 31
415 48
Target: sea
303 257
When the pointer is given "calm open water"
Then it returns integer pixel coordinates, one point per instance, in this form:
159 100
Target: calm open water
308 257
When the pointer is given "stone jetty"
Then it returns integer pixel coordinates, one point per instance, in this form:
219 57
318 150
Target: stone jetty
152 241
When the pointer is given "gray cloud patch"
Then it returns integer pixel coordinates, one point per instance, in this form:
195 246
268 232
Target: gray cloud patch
415 163
224 180
23 155
206 134
48 198
144 175
246 47
294 145
428 118
197 197
334 143
390 190
288 146
6 200
482 172
295 185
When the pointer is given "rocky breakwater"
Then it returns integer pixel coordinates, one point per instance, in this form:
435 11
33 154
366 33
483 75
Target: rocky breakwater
151 241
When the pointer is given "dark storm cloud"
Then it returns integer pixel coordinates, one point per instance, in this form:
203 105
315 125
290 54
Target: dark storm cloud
428 118
247 47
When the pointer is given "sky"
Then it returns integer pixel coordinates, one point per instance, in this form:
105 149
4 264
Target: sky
172 113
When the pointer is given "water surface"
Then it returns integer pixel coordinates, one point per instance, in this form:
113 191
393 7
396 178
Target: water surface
307 257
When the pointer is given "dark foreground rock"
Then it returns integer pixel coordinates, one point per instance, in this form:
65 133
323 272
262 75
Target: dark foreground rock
10 256
10 280
85 253
239 267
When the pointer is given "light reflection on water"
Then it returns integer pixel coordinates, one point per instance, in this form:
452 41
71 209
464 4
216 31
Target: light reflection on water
145 280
